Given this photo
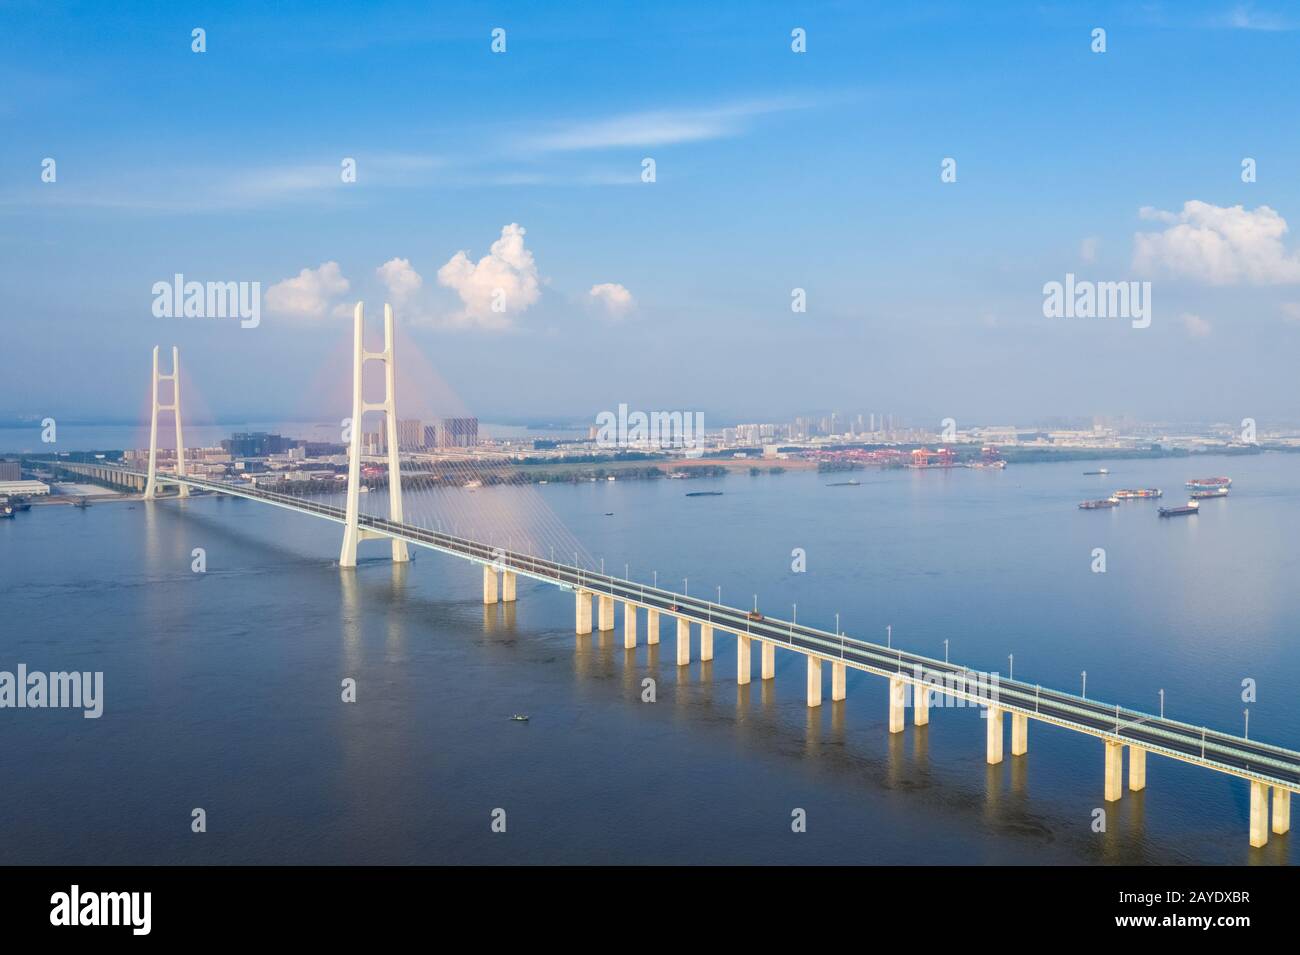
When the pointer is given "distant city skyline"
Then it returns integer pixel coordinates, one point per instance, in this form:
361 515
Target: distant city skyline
775 173
82 436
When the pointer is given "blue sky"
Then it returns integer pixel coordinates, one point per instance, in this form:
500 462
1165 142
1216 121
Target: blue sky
774 170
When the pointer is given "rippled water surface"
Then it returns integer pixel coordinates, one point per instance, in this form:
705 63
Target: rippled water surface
223 689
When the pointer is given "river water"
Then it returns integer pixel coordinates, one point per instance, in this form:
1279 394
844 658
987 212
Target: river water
222 689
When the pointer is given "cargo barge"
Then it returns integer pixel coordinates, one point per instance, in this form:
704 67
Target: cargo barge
1191 507
1209 484
1097 505
1138 493
1206 495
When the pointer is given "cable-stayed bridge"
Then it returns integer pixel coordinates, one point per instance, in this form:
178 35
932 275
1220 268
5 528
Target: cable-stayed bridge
915 681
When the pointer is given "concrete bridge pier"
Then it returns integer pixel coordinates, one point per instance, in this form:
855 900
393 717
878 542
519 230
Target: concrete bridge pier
489 584
994 735
605 611
1019 734
814 681
629 626
507 586
1281 810
744 659
583 612
1114 770
706 642
838 681
769 660
921 704
1137 769
651 626
1258 814
683 642
897 699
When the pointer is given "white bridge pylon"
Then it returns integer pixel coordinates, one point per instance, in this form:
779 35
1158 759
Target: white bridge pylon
352 533
150 488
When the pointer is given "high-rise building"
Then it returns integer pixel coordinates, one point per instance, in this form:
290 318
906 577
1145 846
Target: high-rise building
410 434
458 433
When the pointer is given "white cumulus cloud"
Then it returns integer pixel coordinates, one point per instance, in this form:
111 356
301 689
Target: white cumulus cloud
498 287
612 298
309 294
401 280
1217 245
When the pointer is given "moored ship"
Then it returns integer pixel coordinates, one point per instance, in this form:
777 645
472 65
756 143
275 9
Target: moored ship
1141 492
1209 484
1206 495
1097 505
1191 507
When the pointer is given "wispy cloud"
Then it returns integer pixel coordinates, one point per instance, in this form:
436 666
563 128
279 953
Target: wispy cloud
1246 16
656 127
189 189
1194 325
543 157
